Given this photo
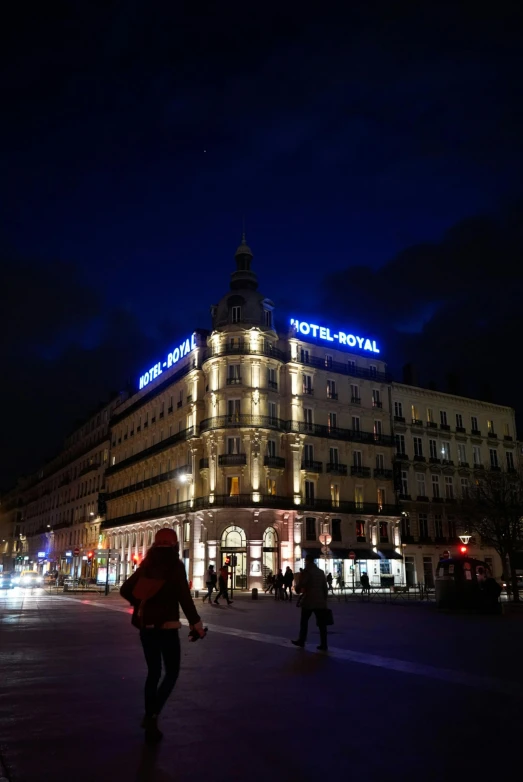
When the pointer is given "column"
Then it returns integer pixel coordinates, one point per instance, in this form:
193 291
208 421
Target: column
197 562
254 564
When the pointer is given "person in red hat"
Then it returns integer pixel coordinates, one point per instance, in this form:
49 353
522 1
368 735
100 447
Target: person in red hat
155 591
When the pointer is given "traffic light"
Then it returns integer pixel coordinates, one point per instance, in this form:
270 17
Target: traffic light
463 549
90 555
136 558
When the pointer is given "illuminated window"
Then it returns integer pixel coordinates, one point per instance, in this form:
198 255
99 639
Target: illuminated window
335 494
332 421
233 485
186 531
360 532
271 487
414 413
490 427
445 451
358 497
332 391
381 498
384 532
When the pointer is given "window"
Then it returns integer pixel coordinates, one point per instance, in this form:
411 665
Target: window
354 392
430 415
433 449
384 532
423 525
428 572
328 360
308 453
236 314
443 417
376 398
380 461
476 455
233 445
398 410
335 494
271 487
464 487
304 356
233 485
459 421
271 447
351 367
333 456
356 458
332 391
474 423
373 370
267 318
404 483
233 409
510 460
307 418
381 498
435 486
420 484
377 429
449 487
438 526
355 423
358 497
462 454
445 451
273 412
405 526
336 530
493 457
360 532
271 378
385 567
400 443
414 413
307 384
506 430
418 446
451 524
332 421
310 528
490 427
233 374
309 491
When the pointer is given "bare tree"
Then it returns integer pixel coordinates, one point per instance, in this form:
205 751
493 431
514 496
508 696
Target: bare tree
494 511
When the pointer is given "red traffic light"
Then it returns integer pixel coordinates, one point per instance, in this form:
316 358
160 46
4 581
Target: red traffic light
90 555
463 549
136 558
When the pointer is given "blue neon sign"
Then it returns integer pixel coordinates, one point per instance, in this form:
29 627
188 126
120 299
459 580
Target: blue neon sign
320 332
173 357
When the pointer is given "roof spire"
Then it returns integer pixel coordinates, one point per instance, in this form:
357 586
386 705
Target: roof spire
243 276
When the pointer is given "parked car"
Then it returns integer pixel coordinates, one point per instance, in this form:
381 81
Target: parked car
7 580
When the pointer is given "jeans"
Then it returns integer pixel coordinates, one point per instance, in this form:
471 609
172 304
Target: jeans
158 644
210 589
306 614
222 593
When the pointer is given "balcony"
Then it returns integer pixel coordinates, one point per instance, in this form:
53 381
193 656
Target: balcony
416 422
495 468
437 499
239 419
232 459
447 463
419 458
463 465
277 462
445 427
475 432
405 497
360 472
460 430
377 403
335 468
332 395
355 400
234 381
185 434
307 391
335 433
311 466
204 463
422 498
425 539
432 425
492 435
401 457
400 419
507 438
479 467
342 368
273 385
243 349
386 475
434 460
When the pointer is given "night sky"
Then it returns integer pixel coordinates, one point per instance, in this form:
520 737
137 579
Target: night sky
375 152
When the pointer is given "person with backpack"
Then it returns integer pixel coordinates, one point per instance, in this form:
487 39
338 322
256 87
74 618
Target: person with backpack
155 591
210 582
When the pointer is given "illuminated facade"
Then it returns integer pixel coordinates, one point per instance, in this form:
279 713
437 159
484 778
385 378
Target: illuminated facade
254 443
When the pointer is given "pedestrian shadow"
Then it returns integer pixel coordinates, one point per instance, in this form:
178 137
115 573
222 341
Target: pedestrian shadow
147 770
306 664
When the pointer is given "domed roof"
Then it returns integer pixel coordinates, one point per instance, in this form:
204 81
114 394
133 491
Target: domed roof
244 248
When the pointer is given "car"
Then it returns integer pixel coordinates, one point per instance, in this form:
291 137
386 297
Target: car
7 580
30 578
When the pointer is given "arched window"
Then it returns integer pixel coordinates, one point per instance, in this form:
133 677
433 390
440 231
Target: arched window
270 538
233 537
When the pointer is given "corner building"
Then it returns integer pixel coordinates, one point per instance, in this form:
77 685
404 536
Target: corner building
254 443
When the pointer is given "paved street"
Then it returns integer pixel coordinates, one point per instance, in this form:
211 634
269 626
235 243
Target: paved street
404 693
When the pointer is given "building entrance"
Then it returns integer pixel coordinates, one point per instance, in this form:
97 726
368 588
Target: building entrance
238 572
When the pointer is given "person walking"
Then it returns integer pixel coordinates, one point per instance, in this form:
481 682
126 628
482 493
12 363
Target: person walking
278 586
155 590
365 583
297 587
210 583
314 588
329 583
222 584
269 583
288 578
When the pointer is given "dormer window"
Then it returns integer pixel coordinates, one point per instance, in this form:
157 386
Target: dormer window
236 314
267 318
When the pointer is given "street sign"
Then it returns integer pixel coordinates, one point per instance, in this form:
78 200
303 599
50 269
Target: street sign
352 555
76 552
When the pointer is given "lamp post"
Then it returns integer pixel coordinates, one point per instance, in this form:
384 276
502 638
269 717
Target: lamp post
325 539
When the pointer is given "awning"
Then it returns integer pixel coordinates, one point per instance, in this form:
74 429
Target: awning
389 553
364 553
342 553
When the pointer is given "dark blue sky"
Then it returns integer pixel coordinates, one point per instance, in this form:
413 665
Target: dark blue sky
374 149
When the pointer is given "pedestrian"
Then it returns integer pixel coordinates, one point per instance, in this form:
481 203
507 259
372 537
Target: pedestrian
288 578
365 583
278 586
210 582
223 580
314 588
339 580
297 588
155 590
269 581
329 583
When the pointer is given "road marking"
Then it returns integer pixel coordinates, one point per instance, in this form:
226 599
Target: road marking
485 683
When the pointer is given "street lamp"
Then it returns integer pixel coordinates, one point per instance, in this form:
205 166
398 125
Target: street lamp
325 540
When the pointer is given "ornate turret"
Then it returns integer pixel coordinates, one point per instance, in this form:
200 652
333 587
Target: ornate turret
243 278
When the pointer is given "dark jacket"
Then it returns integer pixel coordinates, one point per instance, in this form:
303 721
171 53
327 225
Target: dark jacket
155 593
288 578
314 587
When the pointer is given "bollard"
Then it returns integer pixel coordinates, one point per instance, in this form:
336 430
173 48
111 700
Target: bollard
254 594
